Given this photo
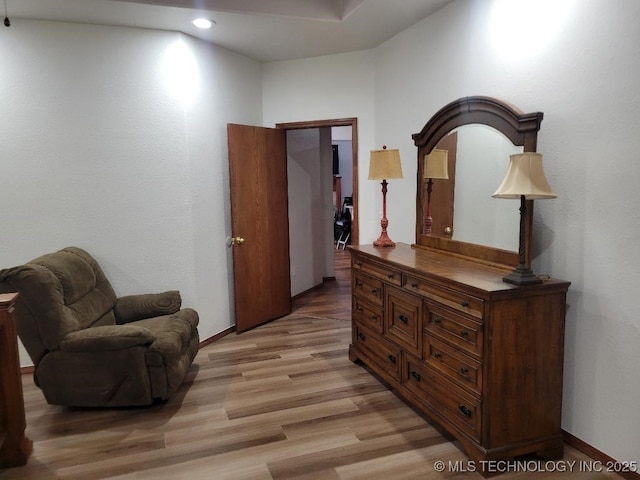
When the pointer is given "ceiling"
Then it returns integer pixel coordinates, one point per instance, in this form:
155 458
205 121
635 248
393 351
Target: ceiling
264 30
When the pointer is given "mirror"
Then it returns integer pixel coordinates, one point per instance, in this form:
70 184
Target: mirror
479 134
482 155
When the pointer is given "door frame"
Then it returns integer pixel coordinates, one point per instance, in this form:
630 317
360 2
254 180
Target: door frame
338 122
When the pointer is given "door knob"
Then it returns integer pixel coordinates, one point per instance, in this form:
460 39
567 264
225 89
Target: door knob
234 241
447 231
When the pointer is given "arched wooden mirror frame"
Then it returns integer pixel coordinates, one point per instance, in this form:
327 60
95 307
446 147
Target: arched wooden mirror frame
520 128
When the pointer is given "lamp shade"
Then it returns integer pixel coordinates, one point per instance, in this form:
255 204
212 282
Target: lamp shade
436 164
525 177
385 164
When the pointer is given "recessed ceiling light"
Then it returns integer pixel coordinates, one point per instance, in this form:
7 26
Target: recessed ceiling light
203 22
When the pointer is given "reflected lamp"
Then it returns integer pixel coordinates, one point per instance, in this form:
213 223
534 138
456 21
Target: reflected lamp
436 165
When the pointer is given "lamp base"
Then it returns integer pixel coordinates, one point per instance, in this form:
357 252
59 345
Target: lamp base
384 241
522 275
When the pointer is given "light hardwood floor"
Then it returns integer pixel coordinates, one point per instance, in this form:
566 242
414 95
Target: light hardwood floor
281 401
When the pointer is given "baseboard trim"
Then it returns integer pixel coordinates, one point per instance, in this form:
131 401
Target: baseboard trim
218 336
608 463
302 294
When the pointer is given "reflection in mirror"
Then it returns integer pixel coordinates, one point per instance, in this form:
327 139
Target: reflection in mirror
436 167
481 162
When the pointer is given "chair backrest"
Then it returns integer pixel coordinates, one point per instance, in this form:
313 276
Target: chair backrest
60 293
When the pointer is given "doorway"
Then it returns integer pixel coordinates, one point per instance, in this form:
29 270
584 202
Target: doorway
353 123
312 246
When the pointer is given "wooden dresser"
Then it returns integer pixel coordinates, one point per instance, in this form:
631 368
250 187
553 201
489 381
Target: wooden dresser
481 357
14 446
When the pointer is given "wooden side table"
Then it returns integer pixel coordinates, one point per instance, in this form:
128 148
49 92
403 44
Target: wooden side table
14 446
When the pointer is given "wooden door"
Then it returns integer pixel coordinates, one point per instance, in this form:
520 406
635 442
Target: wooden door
260 224
442 196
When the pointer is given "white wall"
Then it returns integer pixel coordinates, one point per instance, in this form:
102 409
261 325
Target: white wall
584 77
112 142
309 165
336 86
230 92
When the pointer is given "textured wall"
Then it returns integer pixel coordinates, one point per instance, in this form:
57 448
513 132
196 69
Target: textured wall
337 86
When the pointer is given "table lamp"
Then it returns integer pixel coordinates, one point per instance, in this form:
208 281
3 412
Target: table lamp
384 164
525 180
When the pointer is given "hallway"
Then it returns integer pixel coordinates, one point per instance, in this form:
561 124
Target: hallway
333 298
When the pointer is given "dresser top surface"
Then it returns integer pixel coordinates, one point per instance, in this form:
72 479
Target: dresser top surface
450 269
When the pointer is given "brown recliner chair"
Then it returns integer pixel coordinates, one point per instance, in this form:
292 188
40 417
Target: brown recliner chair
91 349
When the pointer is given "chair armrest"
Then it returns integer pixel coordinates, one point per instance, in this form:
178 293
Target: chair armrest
107 337
138 307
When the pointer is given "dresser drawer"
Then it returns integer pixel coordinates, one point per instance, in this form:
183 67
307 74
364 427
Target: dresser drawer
384 354
383 272
368 288
460 368
457 300
451 402
368 315
460 330
403 319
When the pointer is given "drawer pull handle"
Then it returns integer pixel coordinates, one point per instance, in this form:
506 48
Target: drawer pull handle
414 285
464 334
358 264
392 359
403 319
361 336
465 411
416 376
464 303
374 291
437 355
437 320
359 284
359 309
464 370
374 317
391 275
